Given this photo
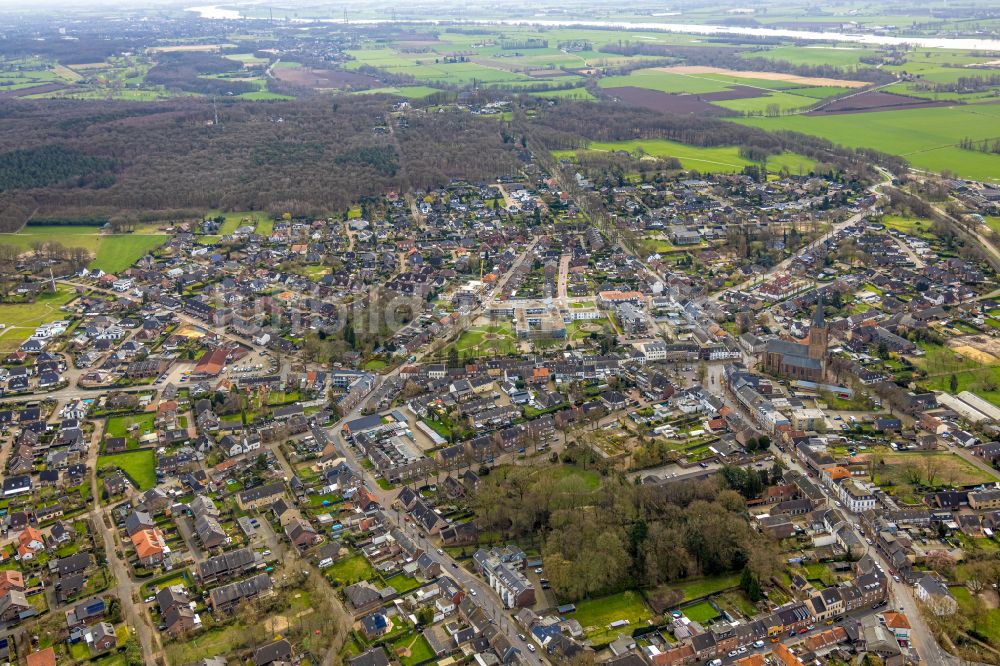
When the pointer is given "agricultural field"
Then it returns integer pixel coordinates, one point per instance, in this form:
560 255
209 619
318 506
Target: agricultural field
707 159
139 465
116 252
409 92
705 88
111 252
927 137
21 319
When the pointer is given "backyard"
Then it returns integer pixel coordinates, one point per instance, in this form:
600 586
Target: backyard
594 615
140 466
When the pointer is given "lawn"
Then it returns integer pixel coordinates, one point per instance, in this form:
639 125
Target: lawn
700 588
402 583
21 319
265 225
986 621
350 570
485 341
566 477
139 465
119 426
701 612
705 159
235 220
928 138
218 640
594 615
412 648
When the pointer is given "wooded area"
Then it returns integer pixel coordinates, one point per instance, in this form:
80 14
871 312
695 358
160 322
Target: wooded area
623 535
310 157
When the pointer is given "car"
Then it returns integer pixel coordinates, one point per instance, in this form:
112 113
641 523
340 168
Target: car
734 653
538 570
472 592
521 636
896 578
810 627
440 551
531 648
742 649
149 599
758 644
837 418
840 505
454 565
869 541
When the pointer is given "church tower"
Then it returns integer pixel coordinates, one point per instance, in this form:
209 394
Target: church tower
818 333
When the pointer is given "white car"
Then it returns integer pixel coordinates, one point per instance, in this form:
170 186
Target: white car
734 653
531 648
758 644
538 570
472 592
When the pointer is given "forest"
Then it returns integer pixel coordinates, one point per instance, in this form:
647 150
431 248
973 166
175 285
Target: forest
308 156
51 165
184 71
623 535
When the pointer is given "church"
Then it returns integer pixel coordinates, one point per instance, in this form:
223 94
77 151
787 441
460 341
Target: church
796 360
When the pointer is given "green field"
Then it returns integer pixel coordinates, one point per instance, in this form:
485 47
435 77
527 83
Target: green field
485 341
236 219
118 426
594 615
117 252
350 570
700 588
139 465
709 159
838 56
700 612
410 92
928 138
415 647
782 101
941 363
112 252
21 319
568 93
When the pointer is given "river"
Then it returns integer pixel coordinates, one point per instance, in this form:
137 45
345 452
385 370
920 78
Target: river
964 44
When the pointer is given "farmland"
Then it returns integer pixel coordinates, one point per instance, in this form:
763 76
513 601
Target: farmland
698 89
705 159
111 252
928 138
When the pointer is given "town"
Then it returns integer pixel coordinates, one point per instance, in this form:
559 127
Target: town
285 437
423 340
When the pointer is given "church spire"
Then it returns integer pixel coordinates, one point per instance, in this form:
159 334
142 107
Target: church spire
818 321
